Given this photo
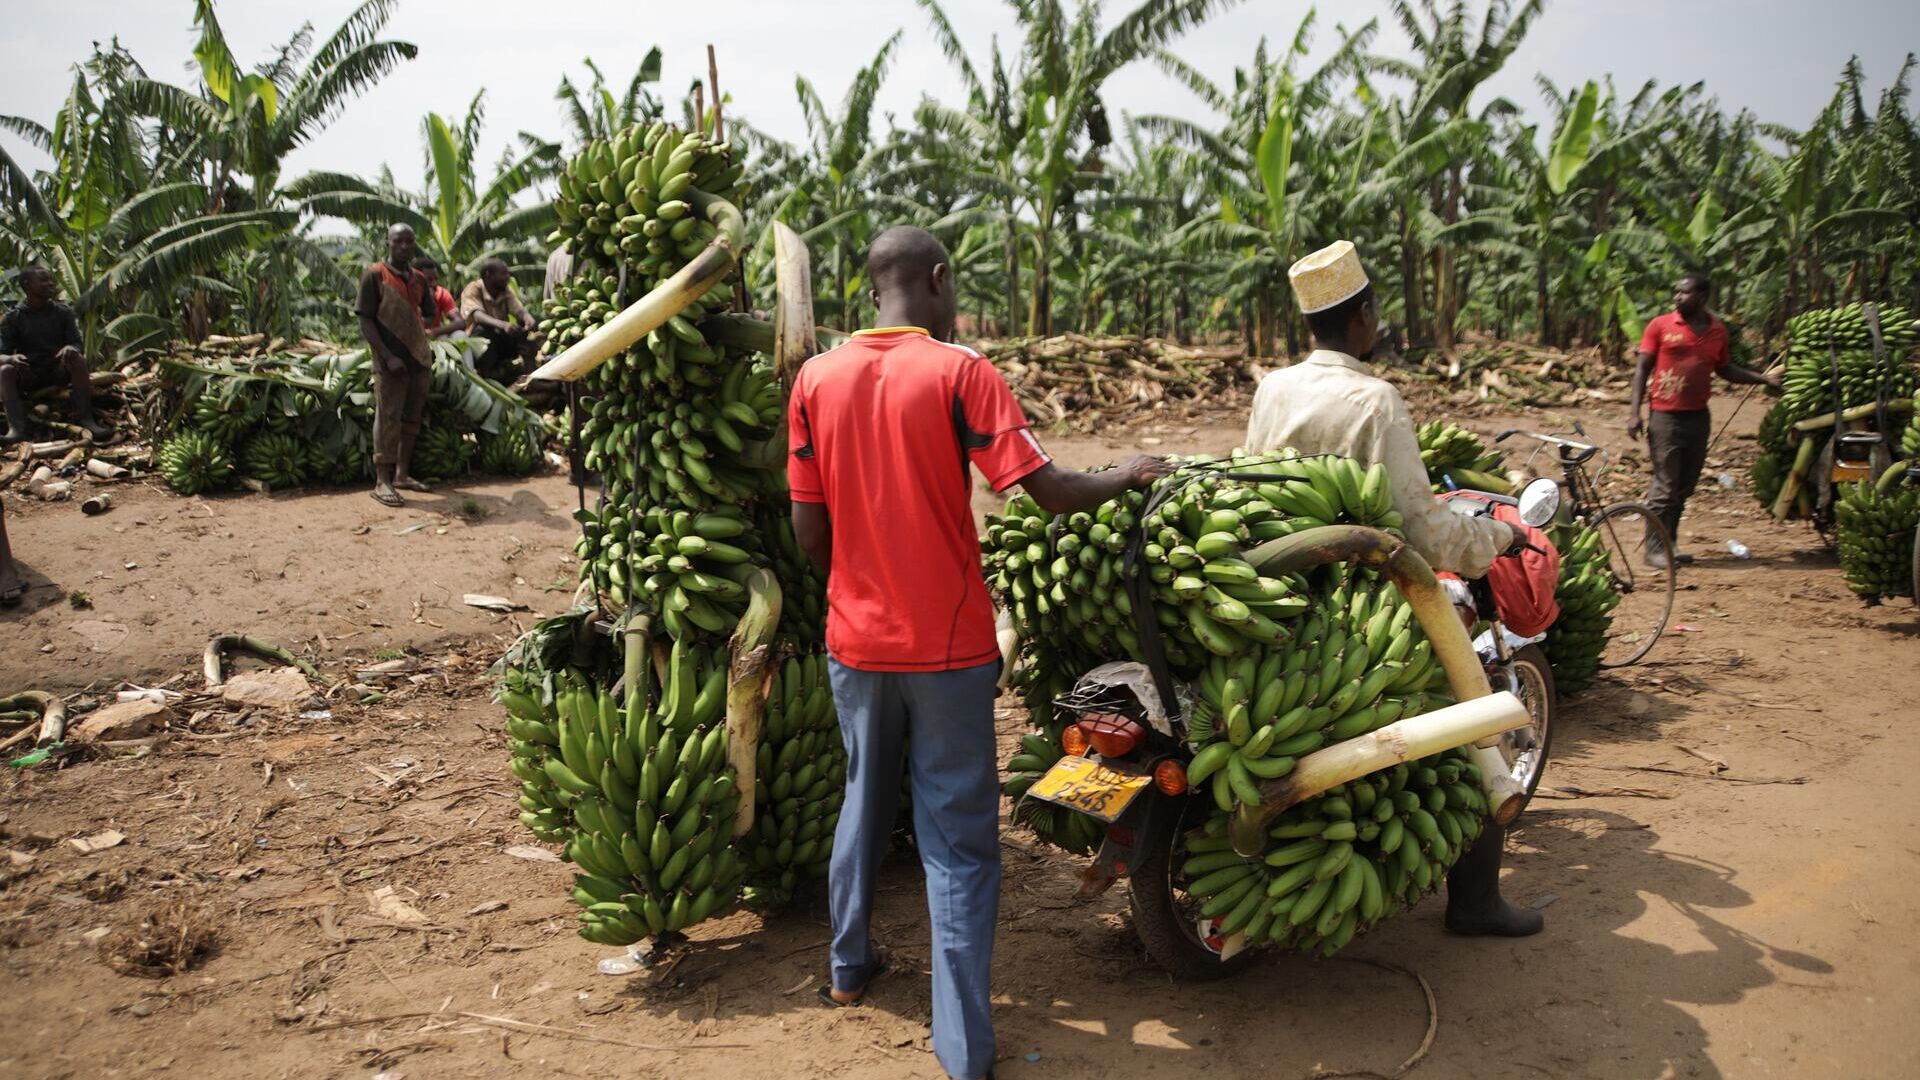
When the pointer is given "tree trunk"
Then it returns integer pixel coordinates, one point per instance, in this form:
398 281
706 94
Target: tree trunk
1012 242
1040 318
1180 312
1543 321
1409 278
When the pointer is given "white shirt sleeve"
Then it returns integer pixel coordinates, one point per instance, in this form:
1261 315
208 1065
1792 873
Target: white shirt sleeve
1449 541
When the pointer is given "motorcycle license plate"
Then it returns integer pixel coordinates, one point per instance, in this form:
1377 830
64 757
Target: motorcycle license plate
1088 786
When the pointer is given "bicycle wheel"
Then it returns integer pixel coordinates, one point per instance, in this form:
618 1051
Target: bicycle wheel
1630 533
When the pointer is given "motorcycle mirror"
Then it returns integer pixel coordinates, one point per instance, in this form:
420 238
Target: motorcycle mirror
1540 501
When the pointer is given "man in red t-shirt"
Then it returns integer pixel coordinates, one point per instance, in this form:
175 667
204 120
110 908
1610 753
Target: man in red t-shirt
884 432
1679 354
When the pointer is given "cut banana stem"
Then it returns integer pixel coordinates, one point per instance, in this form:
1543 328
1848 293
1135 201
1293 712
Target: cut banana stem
747 680
794 339
1008 637
1790 490
51 710
1404 740
212 660
1451 645
652 311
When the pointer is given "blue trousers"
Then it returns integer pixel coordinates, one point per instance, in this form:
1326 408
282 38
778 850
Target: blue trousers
941 723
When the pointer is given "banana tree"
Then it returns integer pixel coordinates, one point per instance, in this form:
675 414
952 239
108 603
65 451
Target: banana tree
596 113
245 124
458 221
845 160
117 217
1270 130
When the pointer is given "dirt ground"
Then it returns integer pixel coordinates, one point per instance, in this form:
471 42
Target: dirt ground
1723 849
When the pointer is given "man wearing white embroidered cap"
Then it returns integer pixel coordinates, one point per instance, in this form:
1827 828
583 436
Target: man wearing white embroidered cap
1333 403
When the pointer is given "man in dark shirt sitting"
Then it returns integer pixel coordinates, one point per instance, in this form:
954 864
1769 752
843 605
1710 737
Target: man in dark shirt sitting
40 347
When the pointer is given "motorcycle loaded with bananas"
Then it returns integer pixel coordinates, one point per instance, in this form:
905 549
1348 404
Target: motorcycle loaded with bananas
1257 704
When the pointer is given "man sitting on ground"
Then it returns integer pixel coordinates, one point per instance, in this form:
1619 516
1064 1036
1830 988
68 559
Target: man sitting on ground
40 347
493 311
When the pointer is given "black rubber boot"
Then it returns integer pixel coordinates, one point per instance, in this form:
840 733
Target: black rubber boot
16 422
1474 904
83 415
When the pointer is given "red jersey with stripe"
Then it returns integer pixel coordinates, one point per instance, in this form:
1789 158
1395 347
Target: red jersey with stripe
885 431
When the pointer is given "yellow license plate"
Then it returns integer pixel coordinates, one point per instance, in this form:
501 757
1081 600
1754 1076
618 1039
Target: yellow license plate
1086 785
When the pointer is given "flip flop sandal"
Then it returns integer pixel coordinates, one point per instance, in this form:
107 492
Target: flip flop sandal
11 597
410 484
392 499
878 968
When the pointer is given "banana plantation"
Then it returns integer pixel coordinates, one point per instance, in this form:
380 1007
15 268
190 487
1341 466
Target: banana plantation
166 211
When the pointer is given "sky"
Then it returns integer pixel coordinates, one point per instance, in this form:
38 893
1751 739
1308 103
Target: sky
1777 57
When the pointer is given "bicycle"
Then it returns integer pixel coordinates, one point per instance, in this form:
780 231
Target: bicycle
1628 531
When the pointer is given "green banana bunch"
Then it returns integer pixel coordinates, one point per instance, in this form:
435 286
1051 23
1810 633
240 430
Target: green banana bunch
634 200
1064 578
441 453
515 451
195 460
687 435
1587 598
1876 523
1448 449
1359 663
1344 860
648 794
1821 341
532 738
800 781
226 411
1910 439
276 459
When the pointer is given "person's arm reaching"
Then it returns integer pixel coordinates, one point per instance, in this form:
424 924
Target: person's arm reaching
1734 373
1448 541
1066 491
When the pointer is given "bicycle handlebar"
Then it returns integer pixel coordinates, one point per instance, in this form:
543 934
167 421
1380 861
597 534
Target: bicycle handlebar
1576 453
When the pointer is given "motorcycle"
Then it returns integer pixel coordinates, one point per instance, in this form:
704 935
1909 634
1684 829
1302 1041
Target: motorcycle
1126 754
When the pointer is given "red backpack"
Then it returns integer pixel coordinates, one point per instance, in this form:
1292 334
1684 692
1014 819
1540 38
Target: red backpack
1523 585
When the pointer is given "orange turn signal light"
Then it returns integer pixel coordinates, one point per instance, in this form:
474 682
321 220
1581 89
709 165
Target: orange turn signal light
1170 777
1074 741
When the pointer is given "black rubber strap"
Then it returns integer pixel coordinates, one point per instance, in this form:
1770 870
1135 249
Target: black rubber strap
1880 368
1139 582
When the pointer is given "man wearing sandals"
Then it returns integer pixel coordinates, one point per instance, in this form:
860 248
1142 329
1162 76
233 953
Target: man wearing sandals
885 432
394 307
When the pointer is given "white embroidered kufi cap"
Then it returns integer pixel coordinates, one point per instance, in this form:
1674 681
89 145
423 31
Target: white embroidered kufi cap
1327 277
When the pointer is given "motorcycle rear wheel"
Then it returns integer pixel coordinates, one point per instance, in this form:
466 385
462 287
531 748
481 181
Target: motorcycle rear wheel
1165 918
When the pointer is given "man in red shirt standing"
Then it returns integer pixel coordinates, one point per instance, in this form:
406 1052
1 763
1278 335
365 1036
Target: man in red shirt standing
1679 354
884 432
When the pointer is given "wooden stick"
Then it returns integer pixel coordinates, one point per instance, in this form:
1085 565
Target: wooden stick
517 1025
1790 488
713 80
1858 412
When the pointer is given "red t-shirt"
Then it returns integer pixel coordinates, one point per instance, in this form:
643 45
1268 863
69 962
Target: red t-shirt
1683 362
883 430
443 306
